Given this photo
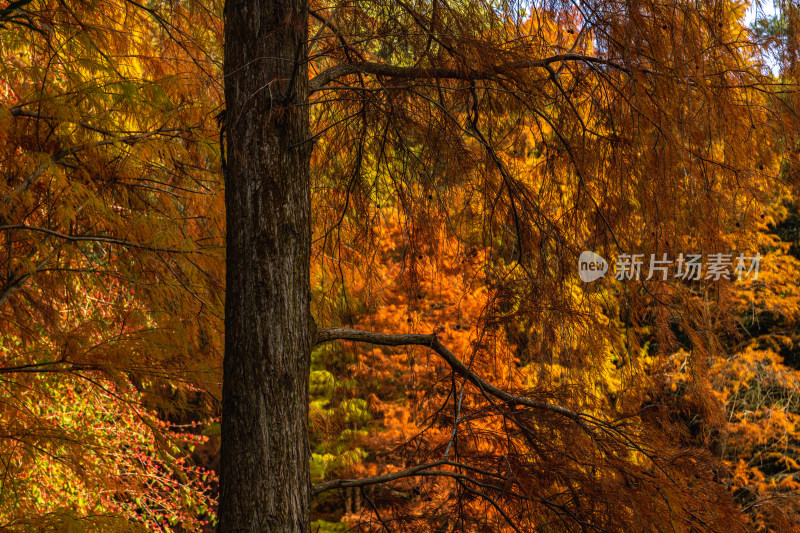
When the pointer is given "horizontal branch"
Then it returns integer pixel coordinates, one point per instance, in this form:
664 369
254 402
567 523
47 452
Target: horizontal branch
431 341
48 367
393 71
18 111
126 139
91 238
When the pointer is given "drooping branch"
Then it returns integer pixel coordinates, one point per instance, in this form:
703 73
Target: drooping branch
431 341
418 470
393 71
325 486
427 470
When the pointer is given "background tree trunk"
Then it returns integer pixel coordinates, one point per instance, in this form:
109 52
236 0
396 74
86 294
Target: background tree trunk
264 459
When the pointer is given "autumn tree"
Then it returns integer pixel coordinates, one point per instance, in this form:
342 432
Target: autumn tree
526 133
111 266
420 177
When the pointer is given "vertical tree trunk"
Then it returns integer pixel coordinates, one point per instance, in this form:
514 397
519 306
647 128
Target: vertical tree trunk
264 483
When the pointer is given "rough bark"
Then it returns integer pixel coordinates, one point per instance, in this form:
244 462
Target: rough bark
264 477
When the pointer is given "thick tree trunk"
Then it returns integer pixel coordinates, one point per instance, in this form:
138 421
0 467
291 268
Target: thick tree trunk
264 479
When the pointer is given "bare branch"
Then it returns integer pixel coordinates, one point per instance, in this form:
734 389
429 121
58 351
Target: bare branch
374 480
418 470
432 342
49 367
382 69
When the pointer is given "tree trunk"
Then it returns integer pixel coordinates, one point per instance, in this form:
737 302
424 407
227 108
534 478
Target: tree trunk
264 474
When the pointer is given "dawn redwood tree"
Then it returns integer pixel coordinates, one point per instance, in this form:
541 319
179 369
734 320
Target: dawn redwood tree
531 131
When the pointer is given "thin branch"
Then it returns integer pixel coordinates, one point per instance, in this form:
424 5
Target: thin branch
49 367
418 470
92 238
18 111
374 480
